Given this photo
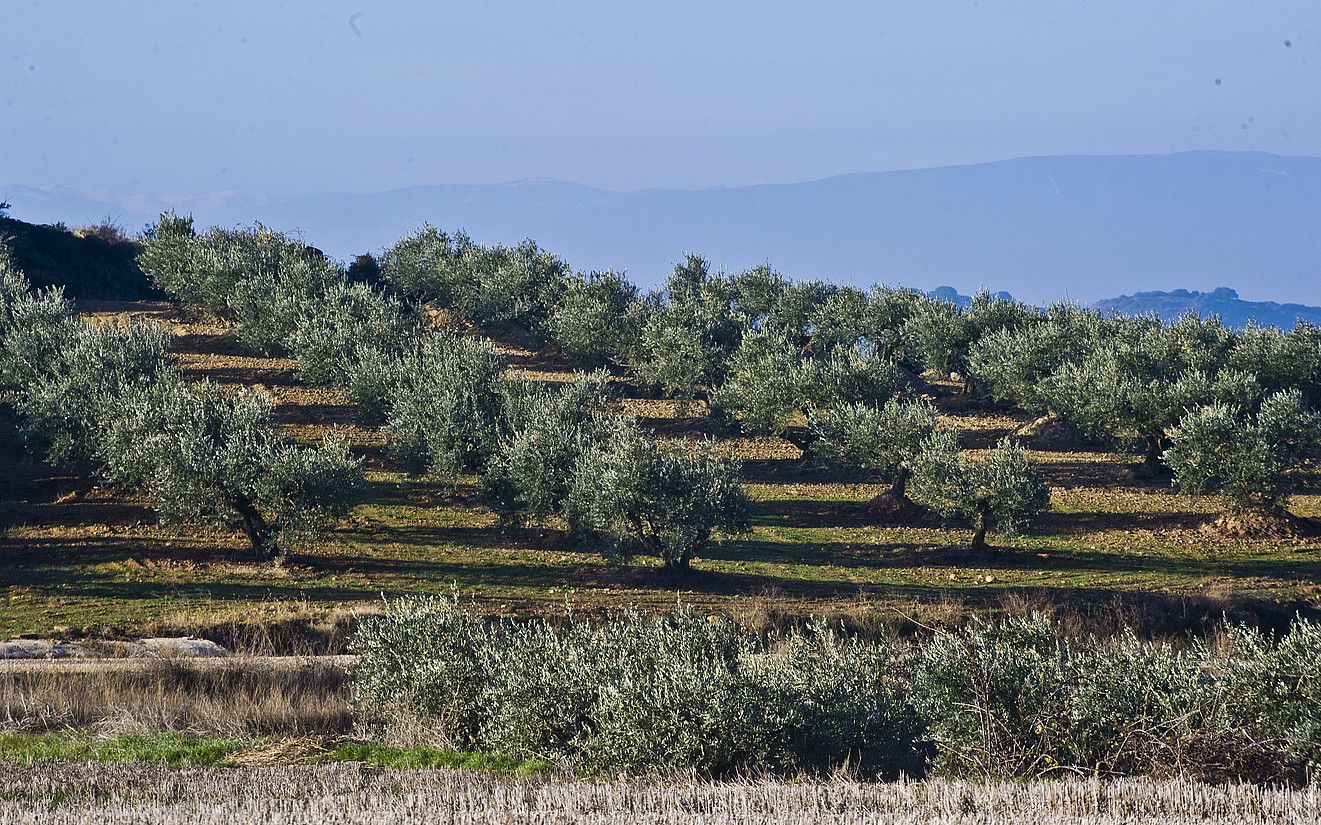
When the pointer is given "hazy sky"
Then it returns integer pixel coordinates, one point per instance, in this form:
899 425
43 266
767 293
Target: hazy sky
179 97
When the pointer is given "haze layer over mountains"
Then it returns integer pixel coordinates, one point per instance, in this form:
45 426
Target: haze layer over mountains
1079 227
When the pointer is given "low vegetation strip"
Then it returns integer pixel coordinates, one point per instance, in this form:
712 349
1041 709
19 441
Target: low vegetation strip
686 693
70 794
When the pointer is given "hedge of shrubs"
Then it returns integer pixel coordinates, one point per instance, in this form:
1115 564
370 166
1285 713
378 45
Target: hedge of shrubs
644 693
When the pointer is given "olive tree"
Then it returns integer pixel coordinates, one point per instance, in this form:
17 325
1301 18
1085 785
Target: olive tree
69 405
34 327
596 320
1012 362
631 495
262 281
1144 379
490 286
1281 360
531 470
342 326
940 335
771 383
207 455
1003 491
764 388
689 332
448 404
1252 460
868 440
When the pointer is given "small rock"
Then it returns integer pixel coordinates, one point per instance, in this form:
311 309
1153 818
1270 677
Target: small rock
184 647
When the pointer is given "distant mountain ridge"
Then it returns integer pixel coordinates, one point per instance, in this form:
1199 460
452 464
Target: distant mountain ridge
1221 301
1080 227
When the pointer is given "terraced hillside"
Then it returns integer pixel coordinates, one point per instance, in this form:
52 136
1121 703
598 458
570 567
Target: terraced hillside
77 558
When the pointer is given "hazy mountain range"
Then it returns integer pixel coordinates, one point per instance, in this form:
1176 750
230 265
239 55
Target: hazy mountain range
1084 227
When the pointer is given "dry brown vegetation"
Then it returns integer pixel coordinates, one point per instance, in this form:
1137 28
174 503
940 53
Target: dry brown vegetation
240 697
80 560
345 793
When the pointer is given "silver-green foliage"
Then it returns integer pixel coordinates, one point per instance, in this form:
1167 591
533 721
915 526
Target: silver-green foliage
867 439
265 283
771 381
1249 459
34 327
639 693
1014 697
631 495
532 468
448 405
1003 491
597 319
207 455
488 285
111 395
689 333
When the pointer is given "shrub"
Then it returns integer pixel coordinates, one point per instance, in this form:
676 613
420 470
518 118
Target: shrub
1250 460
630 495
595 321
1013 697
448 408
639 693
869 440
1004 490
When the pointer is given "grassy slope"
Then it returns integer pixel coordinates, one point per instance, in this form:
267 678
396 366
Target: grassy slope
78 557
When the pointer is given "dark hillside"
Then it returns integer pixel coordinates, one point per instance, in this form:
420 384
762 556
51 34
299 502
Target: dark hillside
97 262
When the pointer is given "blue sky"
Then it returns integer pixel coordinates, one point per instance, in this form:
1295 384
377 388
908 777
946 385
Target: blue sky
185 97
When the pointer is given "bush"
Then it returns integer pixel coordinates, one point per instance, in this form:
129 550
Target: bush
630 496
1004 491
595 321
867 440
639 694
1011 698
1250 460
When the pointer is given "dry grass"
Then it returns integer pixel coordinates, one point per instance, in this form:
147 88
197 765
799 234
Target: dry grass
342 793
239 698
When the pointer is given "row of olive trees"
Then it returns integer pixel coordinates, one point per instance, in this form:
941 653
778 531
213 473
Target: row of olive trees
770 353
110 395
444 398
816 364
